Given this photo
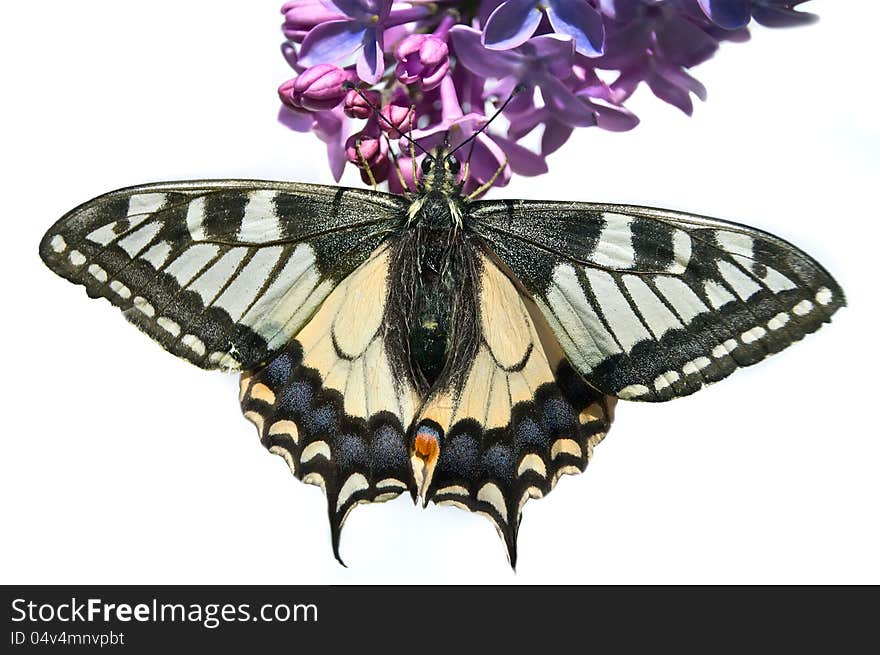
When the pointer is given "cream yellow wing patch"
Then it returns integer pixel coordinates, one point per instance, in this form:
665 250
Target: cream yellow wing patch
344 343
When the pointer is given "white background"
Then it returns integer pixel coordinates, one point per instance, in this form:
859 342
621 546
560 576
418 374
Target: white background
121 464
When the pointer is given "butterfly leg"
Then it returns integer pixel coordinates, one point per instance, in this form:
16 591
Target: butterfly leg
476 193
365 165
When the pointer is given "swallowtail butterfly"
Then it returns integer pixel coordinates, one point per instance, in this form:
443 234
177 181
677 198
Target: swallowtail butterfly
469 352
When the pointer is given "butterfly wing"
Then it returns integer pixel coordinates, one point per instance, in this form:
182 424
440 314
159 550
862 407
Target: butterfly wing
329 403
650 304
518 420
222 273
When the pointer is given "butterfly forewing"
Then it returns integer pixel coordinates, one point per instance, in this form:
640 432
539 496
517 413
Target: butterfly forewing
651 304
222 273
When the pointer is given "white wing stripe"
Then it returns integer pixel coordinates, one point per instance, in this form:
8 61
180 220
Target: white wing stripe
717 294
743 285
776 281
736 243
211 280
260 223
146 203
191 261
681 252
655 313
240 293
157 255
298 263
137 240
682 298
578 318
615 248
618 313
195 219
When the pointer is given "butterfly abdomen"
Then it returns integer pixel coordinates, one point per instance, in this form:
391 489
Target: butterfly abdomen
429 328
432 304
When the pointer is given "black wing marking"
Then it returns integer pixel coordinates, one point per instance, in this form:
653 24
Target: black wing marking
520 419
329 403
650 304
222 273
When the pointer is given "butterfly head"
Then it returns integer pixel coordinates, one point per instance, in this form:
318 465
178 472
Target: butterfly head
440 172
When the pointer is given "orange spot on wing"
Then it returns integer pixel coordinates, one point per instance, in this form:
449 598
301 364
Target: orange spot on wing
426 447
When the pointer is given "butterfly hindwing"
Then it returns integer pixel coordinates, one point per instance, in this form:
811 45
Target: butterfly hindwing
651 304
329 403
519 419
222 273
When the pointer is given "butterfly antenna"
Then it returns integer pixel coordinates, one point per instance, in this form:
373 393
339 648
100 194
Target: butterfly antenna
351 87
519 88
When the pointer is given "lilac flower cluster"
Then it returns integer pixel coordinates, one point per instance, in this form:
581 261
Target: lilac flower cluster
439 69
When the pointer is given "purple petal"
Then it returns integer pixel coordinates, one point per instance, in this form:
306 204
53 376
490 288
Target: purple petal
608 7
301 16
521 103
682 79
358 9
564 105
479 60
485 160
627 83
555 52
578 19
330 42
433 51
671 93
613 118
522 160
289 54
685 44
511 24
779 16
555 135
522 124
456 130
336 159
295 120
406 169
371 63
332 128
729 14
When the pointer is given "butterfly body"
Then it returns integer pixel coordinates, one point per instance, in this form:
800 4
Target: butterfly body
466 352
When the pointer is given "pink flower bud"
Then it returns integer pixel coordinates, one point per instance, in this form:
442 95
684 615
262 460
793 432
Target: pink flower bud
398 116
355 105
373 154
285 93
423 59
317 88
